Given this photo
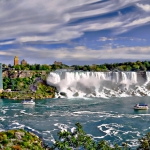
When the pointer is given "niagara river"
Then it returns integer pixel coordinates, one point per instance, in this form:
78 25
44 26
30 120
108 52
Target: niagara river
113 119
102 102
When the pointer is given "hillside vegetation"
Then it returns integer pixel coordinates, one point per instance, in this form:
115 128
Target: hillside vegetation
31 85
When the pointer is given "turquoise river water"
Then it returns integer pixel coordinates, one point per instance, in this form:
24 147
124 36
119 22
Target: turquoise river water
112 119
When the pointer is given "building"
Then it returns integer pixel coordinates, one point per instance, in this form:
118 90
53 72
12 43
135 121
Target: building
16 60
23 62
1 78
57 63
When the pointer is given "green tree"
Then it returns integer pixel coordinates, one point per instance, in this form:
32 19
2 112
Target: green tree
33 67
9 65
143 68
128 68
135 67
17 67
84 68
144 142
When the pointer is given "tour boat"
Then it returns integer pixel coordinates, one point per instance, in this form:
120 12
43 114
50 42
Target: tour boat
141 107
28 102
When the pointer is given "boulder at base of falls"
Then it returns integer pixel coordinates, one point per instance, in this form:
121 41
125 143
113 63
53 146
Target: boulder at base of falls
63 94
76 94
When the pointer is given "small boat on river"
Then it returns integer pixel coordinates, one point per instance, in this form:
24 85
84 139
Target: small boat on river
141 107
28 102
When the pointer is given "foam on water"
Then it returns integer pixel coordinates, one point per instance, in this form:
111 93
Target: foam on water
63 127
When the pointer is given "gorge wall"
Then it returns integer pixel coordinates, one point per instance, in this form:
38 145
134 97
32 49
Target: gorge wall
22 73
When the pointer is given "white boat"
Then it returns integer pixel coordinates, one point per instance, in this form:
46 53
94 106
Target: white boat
141 107
28 102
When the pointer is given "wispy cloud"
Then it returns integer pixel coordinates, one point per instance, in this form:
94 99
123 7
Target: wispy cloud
138 22
7 43
145 7
106 39
120 38
49 21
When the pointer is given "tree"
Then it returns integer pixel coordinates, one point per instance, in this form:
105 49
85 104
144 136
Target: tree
143 68
135 67
128 68
144 142
84 68
9 66
76 67
17 67
32 67
38 66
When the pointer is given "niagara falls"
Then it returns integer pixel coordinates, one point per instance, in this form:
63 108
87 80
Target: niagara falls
99 84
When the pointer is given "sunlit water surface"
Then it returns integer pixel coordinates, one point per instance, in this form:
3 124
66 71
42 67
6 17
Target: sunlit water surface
111 119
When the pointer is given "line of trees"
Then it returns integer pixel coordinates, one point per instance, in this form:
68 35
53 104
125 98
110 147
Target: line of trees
125 66
35 67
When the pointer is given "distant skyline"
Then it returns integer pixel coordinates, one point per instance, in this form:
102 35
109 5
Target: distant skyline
74 31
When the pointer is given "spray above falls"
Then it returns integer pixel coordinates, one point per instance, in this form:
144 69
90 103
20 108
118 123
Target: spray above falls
99 84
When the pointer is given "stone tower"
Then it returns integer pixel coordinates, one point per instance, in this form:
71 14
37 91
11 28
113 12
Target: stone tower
1 78
16 60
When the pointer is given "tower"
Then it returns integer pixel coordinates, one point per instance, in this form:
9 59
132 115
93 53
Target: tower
1 78
16 60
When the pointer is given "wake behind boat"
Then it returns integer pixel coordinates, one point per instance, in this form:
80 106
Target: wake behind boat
141 107
28 102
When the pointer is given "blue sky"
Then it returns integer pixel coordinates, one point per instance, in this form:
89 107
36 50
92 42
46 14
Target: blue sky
74 31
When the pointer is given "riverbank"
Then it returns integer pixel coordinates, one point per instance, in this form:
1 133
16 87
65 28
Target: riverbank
42 91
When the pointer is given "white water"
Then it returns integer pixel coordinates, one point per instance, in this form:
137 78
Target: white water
99 84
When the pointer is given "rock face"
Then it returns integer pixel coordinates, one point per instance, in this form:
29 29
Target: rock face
20 140
22 73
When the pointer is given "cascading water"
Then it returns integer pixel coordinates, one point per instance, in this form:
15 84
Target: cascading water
99 84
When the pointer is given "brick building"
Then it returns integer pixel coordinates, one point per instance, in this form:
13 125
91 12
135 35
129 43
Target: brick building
57 63
16 60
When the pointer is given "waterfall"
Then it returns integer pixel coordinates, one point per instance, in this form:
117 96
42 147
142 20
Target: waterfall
148 76
96 84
